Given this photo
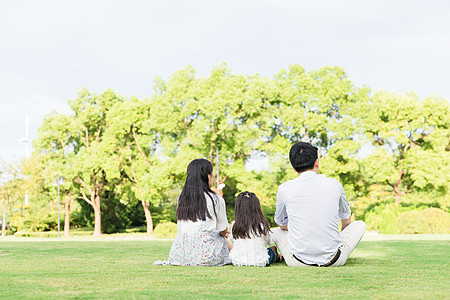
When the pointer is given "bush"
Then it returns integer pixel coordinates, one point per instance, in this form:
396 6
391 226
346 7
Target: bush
135 229
383 219
39 216
430 220
166 230
54 234
412 222
389 219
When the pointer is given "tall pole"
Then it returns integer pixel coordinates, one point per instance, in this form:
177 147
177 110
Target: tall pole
27 125
217 167
59 225
3 216
26 142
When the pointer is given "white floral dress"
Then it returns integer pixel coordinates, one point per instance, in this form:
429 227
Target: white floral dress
199 243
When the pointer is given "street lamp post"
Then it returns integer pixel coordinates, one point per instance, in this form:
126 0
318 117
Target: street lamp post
217 167
26 141
59 180
228 161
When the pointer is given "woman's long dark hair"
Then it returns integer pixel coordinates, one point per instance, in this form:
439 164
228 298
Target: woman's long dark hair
192 201
248 217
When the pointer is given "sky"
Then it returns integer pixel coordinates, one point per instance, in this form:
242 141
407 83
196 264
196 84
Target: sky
51 49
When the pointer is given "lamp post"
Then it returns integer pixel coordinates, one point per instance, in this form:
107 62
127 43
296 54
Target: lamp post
59 180
217 167
4 207
26 141
229 161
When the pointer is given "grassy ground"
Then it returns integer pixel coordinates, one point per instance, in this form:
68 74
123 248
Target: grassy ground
380 268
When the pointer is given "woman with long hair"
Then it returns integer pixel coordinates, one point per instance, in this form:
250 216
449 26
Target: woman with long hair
201 221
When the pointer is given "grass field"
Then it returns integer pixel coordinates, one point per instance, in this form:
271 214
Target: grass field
380 268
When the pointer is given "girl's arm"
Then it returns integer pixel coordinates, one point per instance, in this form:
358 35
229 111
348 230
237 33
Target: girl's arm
225 233
229 244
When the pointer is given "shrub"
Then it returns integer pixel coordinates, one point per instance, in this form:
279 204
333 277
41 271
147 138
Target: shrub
412 222
383 219
39 216
389 219
438 220
166 230
53 234
430 220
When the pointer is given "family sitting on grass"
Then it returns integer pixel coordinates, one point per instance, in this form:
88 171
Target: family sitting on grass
308 210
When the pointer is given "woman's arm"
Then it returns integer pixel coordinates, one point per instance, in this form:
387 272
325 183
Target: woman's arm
225 233
221 217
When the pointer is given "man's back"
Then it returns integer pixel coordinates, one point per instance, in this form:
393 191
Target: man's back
314 204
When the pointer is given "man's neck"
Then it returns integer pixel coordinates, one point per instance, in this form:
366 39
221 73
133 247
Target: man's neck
315 170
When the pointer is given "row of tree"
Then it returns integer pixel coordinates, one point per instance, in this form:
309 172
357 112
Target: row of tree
114 152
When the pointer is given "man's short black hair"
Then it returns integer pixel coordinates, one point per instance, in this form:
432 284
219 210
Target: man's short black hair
303 156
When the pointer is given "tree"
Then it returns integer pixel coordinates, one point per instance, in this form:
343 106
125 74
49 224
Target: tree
54 156
142 150
411 140
113 152
11 189
221 113
74 145
320 107
94 163
241 116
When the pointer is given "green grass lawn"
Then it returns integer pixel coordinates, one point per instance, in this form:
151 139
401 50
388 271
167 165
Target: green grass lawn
377 269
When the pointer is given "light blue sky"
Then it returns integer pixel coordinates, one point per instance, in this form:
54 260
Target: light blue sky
50 49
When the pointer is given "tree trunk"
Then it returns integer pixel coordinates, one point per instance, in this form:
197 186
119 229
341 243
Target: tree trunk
4 217
148 216
398 193
97 219
397 198
67 218
94 200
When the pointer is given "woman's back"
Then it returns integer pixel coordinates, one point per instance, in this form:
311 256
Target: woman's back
199 243
217 222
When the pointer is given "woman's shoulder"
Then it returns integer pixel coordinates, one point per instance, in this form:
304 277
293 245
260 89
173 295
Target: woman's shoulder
214 196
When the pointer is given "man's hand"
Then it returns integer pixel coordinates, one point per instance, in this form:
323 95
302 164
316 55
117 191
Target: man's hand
345 223
283 227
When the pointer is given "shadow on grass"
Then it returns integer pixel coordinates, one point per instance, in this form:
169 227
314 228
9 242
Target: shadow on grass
358 261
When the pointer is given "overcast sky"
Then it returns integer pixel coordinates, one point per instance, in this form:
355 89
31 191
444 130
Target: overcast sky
50 49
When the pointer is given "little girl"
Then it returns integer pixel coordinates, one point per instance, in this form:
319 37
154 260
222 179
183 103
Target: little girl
250 234
201 221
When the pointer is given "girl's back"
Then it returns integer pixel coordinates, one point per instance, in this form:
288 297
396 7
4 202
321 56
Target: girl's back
250 233
250 251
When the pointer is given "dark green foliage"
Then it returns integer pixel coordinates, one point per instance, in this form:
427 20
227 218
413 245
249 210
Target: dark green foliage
115 215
